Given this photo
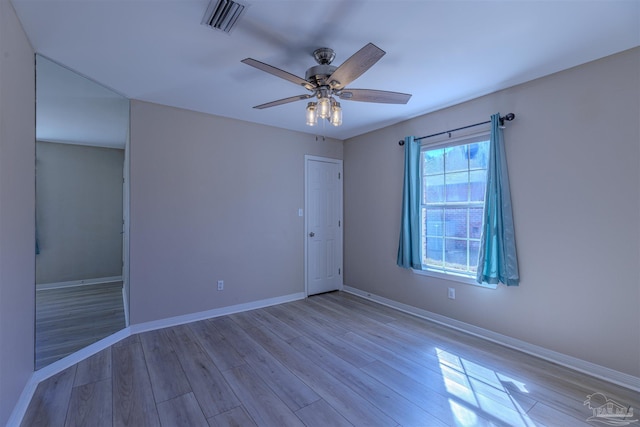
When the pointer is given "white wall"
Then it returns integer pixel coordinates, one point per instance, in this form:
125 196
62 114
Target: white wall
78 212
214 199
17 182
573 154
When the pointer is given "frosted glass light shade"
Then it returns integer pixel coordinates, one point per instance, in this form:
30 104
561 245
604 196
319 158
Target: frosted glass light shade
312 117
324 108
336 114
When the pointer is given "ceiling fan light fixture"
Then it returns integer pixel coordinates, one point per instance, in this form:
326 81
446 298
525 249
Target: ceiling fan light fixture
327 82
324 108
312 117
223 14
336 114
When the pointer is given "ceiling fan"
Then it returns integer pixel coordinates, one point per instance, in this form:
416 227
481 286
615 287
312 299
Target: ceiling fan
325 81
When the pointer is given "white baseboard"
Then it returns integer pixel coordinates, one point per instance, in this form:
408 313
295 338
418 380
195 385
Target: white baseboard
56 367
73 283
22 405
216 312
80 355
592 369
15 419
125 304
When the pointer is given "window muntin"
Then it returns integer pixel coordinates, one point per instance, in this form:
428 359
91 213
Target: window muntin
453 187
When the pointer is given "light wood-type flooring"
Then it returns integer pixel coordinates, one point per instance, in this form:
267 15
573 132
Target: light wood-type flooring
329 360
68 319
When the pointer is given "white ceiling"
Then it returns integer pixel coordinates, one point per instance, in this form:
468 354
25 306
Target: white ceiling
442 52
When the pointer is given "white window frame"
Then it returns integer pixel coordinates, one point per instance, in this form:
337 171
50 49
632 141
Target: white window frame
429 272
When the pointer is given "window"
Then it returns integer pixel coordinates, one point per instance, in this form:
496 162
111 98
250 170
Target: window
453 186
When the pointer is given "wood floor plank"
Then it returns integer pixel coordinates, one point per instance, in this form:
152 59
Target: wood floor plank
236 417
321 414
165 372
421 350
437 403
246 319
131 339
133 403
298 312
424 355
429 376
260 401
211 390
95 368
402 339
288 387
345 318
280 328
235 336
181 411
219 350
541 380
49 404
391 403
457 383
495 402
68 319
544 415
357 306
91 405
352 406
392 312
329 340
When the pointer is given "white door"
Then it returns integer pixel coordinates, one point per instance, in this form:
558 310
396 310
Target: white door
323 200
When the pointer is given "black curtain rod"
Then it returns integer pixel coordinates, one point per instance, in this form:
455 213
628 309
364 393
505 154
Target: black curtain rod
507 117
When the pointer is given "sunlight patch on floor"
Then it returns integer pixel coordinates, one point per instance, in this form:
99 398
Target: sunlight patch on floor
476 389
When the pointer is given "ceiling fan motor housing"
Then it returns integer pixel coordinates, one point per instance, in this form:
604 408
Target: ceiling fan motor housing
324 55
318 74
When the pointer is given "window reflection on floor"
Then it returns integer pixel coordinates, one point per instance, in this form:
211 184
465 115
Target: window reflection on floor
477 390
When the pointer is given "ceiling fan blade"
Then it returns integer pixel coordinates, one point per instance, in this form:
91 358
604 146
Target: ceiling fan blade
279 73
370 95
355 66
283 101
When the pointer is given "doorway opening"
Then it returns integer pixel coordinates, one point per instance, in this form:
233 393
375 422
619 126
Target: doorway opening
82 131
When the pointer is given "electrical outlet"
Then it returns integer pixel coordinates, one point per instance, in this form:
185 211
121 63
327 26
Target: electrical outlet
452 293
220 285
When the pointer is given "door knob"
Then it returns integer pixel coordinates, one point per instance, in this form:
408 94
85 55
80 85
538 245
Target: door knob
312 234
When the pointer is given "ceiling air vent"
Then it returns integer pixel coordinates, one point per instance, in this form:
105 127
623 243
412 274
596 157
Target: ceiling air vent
222 14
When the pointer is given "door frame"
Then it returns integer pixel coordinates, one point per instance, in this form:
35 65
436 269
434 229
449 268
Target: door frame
310 158
126 221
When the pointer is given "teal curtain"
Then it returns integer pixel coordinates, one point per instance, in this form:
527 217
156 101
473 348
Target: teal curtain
409 255
497 260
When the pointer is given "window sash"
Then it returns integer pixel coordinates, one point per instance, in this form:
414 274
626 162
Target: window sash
471 244
444 247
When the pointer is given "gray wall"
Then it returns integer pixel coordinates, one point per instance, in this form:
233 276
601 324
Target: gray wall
79 212
214 198
573 154
17 183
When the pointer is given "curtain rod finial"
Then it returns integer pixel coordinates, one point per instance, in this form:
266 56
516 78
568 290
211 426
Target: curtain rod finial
401 142
507 117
